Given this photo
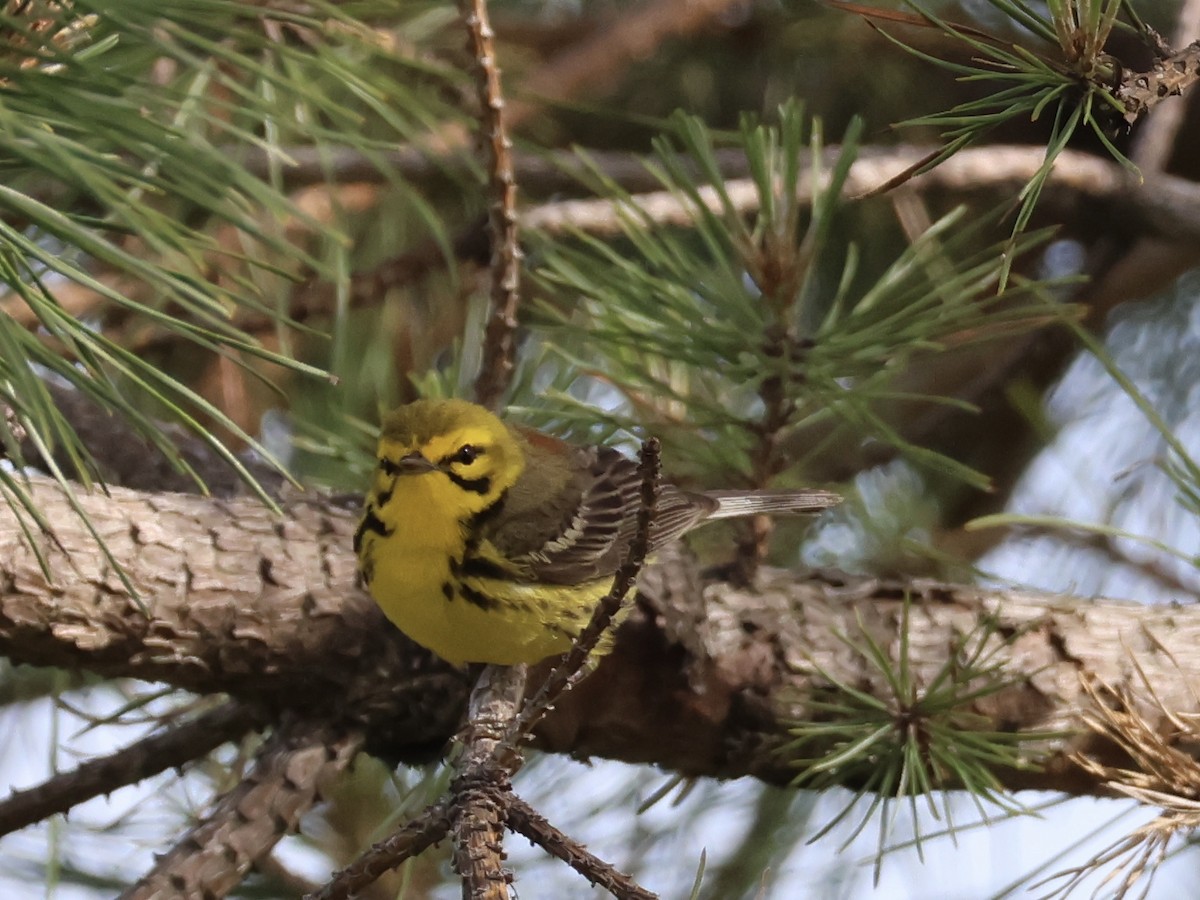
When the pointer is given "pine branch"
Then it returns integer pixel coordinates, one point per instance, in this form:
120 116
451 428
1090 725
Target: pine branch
499 347
1154 141
288 776
179 744
481 790
1170 76
1165 206
524 820
410 840
266 609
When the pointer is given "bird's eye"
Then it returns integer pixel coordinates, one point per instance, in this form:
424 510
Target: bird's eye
467 454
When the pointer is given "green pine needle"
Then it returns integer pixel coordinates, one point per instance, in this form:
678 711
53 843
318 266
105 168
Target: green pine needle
910 740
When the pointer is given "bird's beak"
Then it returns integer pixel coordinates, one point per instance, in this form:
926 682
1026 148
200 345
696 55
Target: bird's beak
414 464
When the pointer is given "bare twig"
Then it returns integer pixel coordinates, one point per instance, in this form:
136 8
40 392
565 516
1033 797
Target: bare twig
12 425
413 838
157 753
481 790
525 821
568 672
1169 77
1077 174
287 779
1154 141
495 369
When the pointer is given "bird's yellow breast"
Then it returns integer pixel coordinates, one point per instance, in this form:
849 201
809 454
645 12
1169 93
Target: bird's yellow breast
419 577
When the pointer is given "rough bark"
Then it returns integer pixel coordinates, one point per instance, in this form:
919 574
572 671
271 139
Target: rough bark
294 767
704 679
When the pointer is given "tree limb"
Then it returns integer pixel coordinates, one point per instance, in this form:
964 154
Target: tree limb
704 678
291 770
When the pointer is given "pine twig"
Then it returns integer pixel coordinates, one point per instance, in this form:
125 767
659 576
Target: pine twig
476 812
129 765
411 839
1154 141
481 792
248 821
524 820
496 366
570 671
1140 92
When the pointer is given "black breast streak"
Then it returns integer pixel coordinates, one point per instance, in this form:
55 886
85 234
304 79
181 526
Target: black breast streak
471 564
370 522
480 567
475 598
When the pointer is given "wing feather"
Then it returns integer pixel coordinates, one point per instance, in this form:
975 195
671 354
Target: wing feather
586 537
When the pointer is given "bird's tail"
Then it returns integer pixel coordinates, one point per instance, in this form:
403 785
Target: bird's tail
754 503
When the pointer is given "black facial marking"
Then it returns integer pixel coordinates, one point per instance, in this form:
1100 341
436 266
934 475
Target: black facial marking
475 485
389 467
370 522
487 514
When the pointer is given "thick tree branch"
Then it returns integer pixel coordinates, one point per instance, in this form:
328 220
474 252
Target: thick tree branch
703 681
292 769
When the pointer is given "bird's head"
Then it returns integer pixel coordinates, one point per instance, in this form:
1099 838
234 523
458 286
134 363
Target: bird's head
473 455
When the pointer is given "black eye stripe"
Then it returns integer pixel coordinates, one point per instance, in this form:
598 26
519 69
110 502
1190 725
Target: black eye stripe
463 456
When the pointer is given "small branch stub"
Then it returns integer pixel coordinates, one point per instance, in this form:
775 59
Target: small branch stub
1169 77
